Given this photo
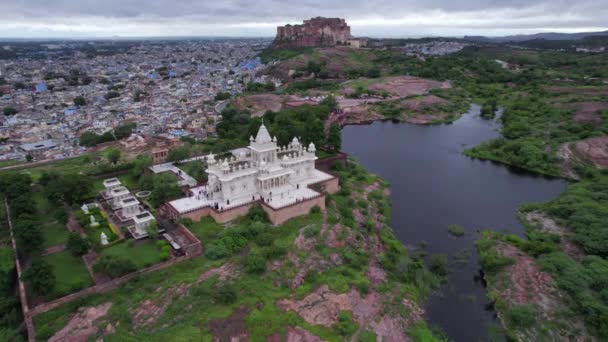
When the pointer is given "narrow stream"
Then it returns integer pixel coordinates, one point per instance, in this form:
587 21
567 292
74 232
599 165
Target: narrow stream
434 185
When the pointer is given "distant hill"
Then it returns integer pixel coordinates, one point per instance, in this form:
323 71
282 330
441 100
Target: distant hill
536 36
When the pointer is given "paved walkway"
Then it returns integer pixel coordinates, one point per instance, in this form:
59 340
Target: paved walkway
185 179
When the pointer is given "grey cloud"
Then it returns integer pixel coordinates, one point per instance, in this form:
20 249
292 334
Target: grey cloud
517 14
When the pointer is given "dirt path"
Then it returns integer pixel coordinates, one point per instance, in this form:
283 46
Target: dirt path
53 249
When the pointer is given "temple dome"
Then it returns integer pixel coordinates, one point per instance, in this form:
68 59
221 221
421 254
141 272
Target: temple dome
263 136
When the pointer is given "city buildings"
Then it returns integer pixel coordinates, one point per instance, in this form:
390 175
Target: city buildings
167 88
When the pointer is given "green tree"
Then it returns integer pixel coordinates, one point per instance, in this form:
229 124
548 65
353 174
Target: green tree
330 102
255 263
124 131
29 157
29 237
113 155
179 153
152 230
165 188
222 96
40 277
80 101
334 139
111 94
70 188
140 164
9 111
15 184
315 132
78 245
89 139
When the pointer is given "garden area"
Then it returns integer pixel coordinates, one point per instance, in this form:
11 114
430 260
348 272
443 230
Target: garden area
94 233
70 273
51 219
141 253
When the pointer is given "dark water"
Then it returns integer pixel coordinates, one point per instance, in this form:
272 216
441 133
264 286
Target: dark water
433 185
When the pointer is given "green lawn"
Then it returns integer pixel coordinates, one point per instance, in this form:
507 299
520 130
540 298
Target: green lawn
70 273
142 254
5 163
53 231
54 234
70 165
95 233
325 154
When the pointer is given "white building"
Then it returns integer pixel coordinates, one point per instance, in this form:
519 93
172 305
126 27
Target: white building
129 207
279 176
116 195
111 184
142 222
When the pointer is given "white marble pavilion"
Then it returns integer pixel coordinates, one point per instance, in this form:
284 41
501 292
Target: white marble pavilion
262 171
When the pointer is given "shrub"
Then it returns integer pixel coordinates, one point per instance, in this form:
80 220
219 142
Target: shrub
164 255
439 265
273 252
456 230
264 239
362 287
255 229
226 294
255 263
114 266
311 231
315 209
216 252
522 316
256 213
77 245
346 326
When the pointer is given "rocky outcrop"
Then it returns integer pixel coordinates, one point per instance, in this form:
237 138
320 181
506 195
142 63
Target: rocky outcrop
315 32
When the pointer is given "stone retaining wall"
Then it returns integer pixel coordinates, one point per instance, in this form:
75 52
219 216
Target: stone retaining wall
27 316
102 288
279 216
276 216
195 248
326 164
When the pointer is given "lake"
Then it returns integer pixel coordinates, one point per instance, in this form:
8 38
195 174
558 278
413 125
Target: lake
434 185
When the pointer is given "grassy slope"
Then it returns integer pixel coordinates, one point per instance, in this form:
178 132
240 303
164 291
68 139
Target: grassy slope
189 314
582 209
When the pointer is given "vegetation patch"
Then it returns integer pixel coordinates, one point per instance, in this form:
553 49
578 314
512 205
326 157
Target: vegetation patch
70 273
456 230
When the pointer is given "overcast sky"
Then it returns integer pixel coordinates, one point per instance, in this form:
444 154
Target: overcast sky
375 18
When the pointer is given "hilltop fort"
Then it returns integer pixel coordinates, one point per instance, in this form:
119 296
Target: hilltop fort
315 32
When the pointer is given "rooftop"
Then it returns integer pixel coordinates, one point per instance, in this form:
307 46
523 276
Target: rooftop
39 145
